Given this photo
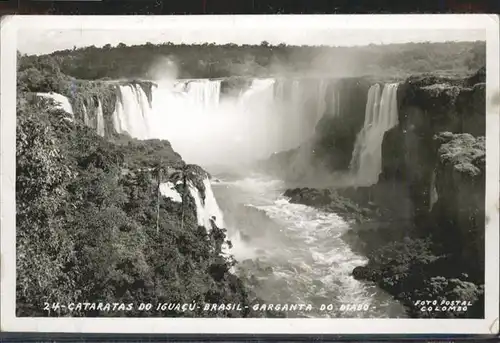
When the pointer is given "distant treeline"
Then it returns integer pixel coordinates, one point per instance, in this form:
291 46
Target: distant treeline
212 61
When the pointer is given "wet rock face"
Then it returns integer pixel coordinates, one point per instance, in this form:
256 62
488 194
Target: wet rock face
436 156
433 187
337 130
478 77
335 134
233 86
445 177
429 105
362 273
442 106
460 208
196 175
310 196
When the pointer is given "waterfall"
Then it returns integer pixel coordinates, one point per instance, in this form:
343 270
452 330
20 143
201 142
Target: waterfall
381 114
61 101
297 95
86 120
206 210
100 119
279 90
332 101
206 92
211 206
119 114
268 116
167 189
321 104
132 111
260 93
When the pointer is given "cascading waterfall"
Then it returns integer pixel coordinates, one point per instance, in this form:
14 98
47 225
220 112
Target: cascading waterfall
381 114
100 119
86 120
132 112
206 92
321 104
261 92
332 101
211 207
297 95
337 102
270 115
61 101
167 189
206 210
279 89
97 120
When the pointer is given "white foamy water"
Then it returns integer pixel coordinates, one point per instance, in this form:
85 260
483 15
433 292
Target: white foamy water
321 104
210 205
168 190
204 92
205 127
380 116
100 119
206 209
132 112
61 101
86 119
296 251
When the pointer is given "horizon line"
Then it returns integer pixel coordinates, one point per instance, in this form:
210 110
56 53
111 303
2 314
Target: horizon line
268 45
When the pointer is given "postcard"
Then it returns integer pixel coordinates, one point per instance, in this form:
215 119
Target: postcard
308 174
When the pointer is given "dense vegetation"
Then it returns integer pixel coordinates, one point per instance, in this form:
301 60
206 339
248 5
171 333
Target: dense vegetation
210 60
92 228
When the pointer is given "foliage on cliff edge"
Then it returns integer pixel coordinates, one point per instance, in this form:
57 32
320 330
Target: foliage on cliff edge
447 262
464 152
88 230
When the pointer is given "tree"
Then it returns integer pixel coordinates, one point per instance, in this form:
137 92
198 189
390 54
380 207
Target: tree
42 242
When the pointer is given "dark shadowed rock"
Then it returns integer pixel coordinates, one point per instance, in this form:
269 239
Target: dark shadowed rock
478 77
233 86
460 185
429 201
196 175
362 273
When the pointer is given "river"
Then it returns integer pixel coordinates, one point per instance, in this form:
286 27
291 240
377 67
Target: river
295 252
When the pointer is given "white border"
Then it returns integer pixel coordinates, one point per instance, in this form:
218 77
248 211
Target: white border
9 322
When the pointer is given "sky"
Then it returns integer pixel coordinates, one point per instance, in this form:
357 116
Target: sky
45 38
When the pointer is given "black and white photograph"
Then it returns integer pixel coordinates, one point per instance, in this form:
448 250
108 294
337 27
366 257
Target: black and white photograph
277 174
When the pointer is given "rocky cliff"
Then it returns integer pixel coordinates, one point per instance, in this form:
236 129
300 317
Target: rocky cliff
428 106
458 203
335 134
429 201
